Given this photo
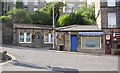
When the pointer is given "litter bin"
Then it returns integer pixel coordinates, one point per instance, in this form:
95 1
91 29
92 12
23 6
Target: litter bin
61 47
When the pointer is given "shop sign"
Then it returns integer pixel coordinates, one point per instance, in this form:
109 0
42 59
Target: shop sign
117 35
107 37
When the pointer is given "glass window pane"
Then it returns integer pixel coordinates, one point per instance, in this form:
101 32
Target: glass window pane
111 2
111 20
46 39
91 42
21 37
35 2
28 37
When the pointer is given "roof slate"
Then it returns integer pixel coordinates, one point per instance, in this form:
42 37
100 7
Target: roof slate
32 26
80 28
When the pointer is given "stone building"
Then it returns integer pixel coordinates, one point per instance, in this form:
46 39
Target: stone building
29 5
81 38
31 35
33 5
108 19
73 5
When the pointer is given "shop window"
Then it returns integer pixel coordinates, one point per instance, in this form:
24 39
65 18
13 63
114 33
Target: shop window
48 38
25 37
91 42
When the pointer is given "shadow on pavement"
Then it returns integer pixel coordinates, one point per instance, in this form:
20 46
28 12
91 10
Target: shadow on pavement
28 65
64 70
53 69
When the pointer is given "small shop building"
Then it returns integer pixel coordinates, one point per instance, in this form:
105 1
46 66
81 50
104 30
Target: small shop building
80 38
31 35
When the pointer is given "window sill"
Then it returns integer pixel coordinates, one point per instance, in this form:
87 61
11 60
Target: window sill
25 42
48 42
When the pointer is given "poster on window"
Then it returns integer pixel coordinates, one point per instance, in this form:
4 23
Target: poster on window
90 42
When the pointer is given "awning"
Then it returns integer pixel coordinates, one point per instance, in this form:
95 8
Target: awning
91 33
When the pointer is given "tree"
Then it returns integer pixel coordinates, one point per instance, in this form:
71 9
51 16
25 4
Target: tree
19 16
57 9
19 4
70 19
88 13
64 20
42 18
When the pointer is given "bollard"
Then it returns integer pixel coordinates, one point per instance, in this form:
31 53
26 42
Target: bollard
4 56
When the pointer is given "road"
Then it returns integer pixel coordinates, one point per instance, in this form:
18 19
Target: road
35 59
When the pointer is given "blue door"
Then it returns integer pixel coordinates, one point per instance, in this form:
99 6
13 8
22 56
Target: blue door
74 42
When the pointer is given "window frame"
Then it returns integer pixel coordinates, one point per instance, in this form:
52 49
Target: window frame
100 43
25 2
49 38
36 2
109 20
111 3
25 37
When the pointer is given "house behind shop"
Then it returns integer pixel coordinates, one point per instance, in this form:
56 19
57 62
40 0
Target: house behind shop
108 19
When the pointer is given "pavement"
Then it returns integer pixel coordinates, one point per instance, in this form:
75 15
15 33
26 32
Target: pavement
42 59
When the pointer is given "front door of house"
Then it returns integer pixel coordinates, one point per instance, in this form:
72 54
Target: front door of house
37 40
74 42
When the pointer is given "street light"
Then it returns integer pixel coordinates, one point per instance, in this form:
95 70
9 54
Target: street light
53 26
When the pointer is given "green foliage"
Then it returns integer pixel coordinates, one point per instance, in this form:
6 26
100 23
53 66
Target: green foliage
39 17
86 16
70 19
19 4
5 19
57 9
64 20
19 16
88 13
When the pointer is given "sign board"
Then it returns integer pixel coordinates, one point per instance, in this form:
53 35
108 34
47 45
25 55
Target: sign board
107 37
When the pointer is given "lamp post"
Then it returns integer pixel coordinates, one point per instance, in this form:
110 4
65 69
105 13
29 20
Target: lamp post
53 26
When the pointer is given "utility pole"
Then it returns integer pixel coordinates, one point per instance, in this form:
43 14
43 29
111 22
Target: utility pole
53 27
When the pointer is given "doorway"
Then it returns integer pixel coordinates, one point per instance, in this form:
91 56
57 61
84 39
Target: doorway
74 43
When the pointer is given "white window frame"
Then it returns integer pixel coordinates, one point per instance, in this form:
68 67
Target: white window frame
25 2
70 5
35 9
35 2
25 37
111 2
30 38
49 39
80 5
20 36
91 48
112 21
